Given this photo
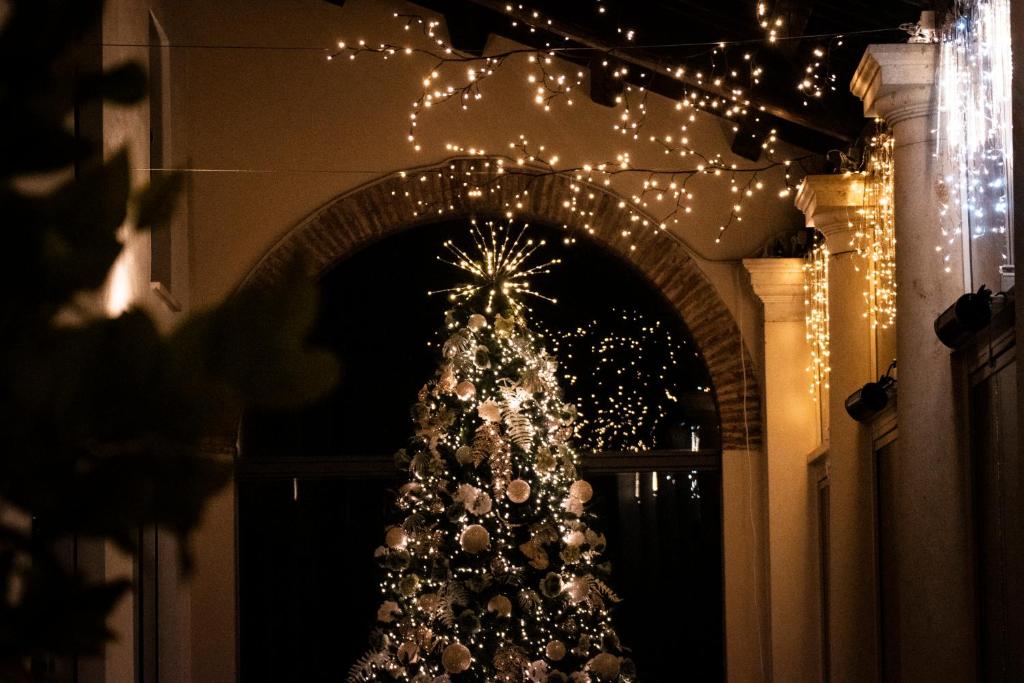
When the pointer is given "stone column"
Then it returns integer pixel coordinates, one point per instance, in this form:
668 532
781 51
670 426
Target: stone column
830 203
792 432
936 635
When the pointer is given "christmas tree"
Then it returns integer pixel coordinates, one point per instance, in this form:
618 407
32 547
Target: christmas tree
492 572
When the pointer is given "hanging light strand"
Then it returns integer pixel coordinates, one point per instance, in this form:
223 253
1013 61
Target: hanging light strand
817 316
975 131
874 235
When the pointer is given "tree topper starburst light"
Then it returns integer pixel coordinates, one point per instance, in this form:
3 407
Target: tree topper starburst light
498 265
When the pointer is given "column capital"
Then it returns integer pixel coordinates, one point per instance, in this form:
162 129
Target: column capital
830 204
779 284
897 82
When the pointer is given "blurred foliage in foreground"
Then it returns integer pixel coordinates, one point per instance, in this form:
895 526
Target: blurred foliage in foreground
101 419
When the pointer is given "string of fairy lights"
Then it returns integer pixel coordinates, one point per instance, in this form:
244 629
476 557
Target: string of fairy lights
633 379
631 389
667 193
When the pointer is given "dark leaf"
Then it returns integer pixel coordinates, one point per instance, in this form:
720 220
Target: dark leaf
123 84
156 202
255 343
37 32
82 220
38 148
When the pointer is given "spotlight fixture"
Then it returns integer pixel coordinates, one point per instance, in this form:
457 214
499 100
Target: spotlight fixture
873 397
969 314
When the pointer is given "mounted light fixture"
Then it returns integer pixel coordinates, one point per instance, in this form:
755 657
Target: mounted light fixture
969 314
873 397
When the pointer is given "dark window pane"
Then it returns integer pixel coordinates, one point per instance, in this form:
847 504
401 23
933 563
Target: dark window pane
308 581
666 553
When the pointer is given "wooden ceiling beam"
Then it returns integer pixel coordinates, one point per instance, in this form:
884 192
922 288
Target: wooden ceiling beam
786 112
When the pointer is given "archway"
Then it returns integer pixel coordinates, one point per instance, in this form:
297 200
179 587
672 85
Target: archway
400 201
313 485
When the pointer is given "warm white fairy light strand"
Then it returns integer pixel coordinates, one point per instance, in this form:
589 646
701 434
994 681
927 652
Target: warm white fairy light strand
817 316
664 191
874 235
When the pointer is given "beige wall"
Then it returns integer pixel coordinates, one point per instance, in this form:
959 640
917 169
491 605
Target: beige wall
282 132
127 22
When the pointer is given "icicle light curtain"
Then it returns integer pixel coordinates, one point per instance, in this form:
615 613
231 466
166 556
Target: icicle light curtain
975 138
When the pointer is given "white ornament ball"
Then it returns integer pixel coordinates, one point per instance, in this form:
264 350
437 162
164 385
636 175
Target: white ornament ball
518 491
477 322
605 666
555 650
581 491
396 537
465 390
489 411
475 539
500 605
456 658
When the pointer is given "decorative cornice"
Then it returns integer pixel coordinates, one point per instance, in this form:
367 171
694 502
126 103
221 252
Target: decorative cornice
829 204
779 284
897 82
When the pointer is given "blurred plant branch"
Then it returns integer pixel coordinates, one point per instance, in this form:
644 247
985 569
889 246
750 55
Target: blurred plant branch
101 420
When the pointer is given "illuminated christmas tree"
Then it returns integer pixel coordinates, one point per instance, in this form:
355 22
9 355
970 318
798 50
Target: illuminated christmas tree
492 572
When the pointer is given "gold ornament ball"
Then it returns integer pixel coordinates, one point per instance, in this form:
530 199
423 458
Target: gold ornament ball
500 605
605 666
396 537
555 650
475 539
465 390
456 658
581 491
518 491
430 602
465 455
477 322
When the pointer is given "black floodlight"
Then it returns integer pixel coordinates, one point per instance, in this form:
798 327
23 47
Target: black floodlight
872 398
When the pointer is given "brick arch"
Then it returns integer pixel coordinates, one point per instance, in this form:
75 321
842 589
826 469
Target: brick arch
394 203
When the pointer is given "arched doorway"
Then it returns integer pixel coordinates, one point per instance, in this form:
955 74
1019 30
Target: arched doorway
391 205
313 485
